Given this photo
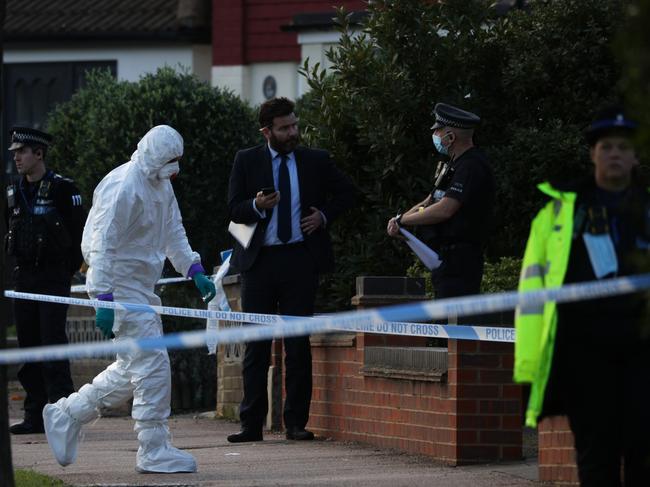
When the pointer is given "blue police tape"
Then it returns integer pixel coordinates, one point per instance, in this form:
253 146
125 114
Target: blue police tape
196 339
391 328
371 321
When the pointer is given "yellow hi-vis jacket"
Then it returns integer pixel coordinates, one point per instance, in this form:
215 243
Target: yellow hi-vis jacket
544 266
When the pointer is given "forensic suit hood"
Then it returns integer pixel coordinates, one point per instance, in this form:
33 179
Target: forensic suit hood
135 222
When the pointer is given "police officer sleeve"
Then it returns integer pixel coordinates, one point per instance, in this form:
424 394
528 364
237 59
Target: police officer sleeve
463 182
70 206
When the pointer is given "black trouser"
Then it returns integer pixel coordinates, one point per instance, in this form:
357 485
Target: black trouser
459 274
283 279
609 400
39 324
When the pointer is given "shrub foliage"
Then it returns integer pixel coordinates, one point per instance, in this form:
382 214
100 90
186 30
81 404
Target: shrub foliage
100 127
535 76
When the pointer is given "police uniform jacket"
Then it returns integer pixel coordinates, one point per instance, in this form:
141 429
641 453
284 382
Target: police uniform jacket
553 341
45 223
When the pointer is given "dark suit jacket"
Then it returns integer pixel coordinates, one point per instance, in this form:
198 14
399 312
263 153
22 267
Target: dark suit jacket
321 185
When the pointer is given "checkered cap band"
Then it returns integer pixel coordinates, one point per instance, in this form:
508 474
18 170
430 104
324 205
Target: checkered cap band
448 122
27 138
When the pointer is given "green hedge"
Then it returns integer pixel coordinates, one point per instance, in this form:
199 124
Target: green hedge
499 276
633 46
100 127
534 77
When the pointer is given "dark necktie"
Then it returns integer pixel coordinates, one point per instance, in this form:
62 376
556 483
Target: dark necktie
284 207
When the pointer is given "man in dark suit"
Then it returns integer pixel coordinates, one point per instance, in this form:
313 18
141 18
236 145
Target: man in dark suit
293 194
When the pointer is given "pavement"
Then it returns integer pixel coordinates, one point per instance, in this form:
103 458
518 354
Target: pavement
107 458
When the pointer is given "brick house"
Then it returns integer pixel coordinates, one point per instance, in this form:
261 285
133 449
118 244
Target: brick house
258 45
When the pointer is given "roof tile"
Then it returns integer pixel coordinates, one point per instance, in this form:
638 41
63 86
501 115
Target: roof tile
36 19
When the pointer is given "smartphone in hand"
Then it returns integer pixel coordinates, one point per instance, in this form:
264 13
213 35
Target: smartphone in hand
268 190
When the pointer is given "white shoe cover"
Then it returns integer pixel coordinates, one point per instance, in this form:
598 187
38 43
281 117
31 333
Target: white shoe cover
166 459
62 432
157 455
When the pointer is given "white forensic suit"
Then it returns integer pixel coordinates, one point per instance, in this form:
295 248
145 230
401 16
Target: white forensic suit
134 223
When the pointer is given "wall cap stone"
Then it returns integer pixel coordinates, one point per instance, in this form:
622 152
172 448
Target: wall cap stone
333 339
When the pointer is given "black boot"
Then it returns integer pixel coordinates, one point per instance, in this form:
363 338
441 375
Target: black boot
299 434
26 427
246 435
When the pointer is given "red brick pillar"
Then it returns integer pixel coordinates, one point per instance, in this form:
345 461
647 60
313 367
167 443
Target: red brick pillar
487 416
557 459
230 385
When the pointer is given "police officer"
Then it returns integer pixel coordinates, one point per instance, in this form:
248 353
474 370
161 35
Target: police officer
45 223
458 211
590 360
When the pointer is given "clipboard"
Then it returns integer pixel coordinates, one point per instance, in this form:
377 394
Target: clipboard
242 232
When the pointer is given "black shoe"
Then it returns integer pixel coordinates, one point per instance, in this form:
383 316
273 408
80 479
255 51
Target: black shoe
299 434
26 428
245 435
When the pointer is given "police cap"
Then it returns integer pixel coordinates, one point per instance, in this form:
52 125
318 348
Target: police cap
609 120
450 116
22 136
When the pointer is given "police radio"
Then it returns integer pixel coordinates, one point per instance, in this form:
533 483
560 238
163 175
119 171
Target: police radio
442 177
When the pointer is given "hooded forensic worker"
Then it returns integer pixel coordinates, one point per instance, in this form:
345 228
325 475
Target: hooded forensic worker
134 223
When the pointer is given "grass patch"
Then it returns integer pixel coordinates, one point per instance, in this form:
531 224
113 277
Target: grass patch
11 331
29 478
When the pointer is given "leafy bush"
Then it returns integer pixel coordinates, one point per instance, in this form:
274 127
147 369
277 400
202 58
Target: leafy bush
100 127
634 45
501 276
534 77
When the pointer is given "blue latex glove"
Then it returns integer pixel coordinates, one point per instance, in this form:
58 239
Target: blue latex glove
104 319
205 286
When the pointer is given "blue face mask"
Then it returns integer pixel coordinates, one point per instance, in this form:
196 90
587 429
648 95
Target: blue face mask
437 143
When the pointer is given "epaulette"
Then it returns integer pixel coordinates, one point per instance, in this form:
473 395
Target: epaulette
62 178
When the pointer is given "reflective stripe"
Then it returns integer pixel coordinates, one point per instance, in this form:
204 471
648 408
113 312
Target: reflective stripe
536 270
534 309
557 206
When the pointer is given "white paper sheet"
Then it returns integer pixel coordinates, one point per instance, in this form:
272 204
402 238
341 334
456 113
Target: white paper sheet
429 258
242 232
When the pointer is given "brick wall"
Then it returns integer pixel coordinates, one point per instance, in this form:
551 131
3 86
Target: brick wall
474 416
229 358
488 414
408 415
557 461
469 412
